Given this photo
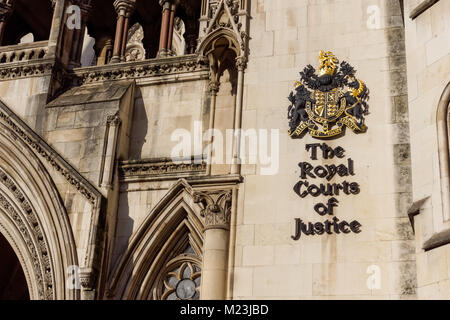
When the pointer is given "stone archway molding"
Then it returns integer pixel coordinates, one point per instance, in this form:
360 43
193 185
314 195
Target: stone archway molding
34 211
174 218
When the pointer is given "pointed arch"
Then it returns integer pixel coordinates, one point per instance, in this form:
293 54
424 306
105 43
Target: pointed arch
221 33
225 20
172 226
34 220
222 49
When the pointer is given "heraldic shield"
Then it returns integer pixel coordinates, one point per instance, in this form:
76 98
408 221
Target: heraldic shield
325 104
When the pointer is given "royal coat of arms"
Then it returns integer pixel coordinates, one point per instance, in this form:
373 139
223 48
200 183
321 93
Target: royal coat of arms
325 104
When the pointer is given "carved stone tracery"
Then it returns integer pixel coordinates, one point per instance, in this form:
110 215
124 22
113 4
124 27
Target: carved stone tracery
21 132
31 230
227 15
183 269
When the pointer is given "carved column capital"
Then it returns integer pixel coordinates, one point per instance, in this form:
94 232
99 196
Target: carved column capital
166 4
214 87
125 7
88 278
216 208
202 60
114 120
241 63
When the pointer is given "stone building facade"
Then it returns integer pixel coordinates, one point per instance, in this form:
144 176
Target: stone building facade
145 150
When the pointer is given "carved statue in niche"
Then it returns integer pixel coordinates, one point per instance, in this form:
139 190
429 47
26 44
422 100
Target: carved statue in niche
135 50
88 57
179 43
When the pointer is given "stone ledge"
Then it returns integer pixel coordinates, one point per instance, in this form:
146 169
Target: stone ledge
199 181
421 8
161 168
414 210
437 240
92 93
142 69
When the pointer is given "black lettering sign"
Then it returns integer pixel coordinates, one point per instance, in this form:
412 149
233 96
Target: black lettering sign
328 172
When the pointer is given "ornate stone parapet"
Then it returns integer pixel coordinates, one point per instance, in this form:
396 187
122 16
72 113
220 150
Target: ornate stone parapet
154 68
25 60
23 52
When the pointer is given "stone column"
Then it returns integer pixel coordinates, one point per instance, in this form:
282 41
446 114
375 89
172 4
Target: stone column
124 9
126 27
78 38
165 22
6 9
110 147
57 26
217 214
241 64
214 87
173 9
204 18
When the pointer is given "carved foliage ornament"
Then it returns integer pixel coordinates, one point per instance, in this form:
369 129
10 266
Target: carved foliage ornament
216 208
325 104
143 69
125 7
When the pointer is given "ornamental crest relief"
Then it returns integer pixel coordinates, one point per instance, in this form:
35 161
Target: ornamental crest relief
326 103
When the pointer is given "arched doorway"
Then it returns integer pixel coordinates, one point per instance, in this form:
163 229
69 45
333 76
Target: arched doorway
13 285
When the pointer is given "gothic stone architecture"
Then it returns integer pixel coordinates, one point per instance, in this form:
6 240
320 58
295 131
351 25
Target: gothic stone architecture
94 205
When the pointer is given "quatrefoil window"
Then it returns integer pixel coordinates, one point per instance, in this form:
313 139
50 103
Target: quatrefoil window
183 283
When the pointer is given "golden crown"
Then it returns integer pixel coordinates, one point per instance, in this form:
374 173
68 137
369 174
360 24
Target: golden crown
328 62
